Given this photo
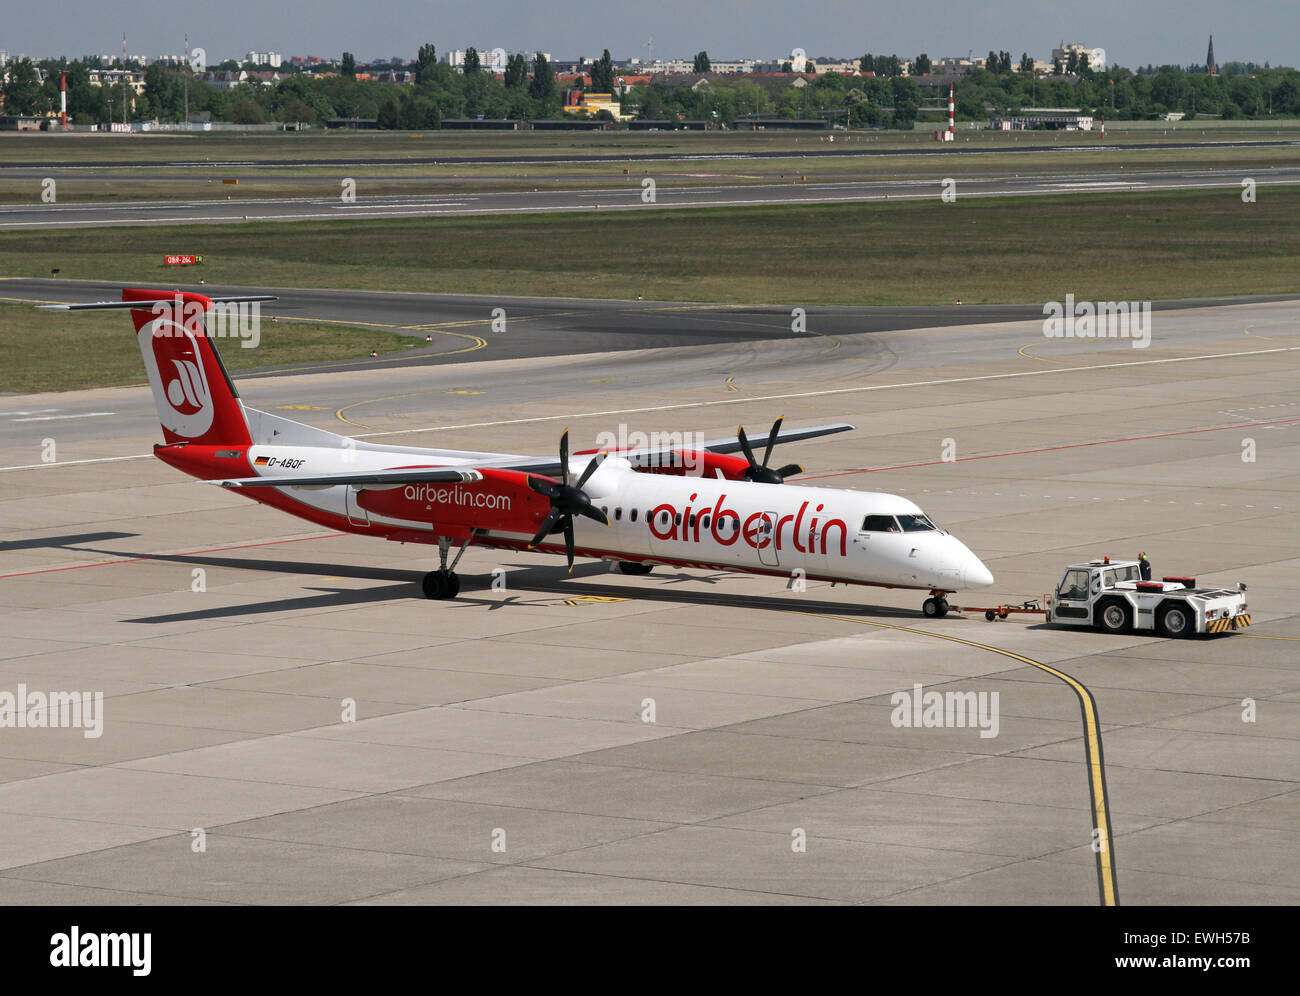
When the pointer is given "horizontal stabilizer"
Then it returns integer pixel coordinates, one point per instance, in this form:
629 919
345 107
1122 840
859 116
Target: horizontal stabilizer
147 305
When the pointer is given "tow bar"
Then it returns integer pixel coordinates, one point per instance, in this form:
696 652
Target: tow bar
991 613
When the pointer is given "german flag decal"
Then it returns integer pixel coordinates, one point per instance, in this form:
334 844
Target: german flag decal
260 462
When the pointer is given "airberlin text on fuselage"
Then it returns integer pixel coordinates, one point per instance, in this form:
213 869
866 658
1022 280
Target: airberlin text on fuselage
753 530
456 496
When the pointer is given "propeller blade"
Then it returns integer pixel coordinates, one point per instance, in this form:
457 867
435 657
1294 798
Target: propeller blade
591 512
790 469
547 525
543 487
596 461
771 439
564 454
744 446
568 540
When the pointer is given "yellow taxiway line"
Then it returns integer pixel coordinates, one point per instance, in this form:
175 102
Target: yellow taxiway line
1102 837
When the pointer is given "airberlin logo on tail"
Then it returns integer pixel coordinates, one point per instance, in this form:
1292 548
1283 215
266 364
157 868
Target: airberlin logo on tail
188 393
173 359
759 529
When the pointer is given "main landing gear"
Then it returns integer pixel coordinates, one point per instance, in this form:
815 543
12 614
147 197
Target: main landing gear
445 582
441 584
936 606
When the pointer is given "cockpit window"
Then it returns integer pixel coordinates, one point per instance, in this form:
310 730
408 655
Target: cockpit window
915 523
879 524
1074 585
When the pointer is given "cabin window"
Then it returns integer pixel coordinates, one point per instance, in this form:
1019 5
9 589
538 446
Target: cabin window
633 516
691 522
915 523
705 523
879 524
1127 573
677 519
618 514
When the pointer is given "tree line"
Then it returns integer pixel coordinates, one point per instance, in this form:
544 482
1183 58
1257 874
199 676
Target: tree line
528 90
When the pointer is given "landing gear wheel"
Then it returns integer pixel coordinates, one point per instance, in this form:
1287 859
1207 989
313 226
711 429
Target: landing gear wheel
631 567
935 608
441 584
1174 621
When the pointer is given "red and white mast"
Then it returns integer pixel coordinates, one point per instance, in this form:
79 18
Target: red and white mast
948 136
63 99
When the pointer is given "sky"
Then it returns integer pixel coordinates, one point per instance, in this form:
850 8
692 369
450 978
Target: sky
1133 32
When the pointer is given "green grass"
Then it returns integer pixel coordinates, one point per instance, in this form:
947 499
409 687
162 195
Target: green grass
982 250
38 148
66 351
89 185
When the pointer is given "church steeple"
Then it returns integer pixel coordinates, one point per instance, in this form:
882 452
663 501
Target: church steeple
1210 66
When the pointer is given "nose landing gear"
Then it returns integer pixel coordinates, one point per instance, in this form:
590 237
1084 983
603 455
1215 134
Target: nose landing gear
936 606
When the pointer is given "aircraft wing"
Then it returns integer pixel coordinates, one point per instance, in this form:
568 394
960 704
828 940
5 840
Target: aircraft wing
732 443
652 456
373 478
547 466
392 478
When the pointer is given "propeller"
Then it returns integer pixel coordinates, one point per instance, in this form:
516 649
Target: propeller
567 500
761 473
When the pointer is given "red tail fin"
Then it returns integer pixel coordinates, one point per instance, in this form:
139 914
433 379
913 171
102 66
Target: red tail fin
196 401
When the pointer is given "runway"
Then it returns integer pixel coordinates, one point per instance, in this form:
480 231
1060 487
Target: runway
639 154
500 749
39 216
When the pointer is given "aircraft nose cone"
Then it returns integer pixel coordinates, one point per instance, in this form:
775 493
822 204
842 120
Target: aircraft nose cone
975 575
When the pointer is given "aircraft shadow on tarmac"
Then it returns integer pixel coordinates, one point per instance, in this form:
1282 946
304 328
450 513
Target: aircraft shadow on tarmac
47 542
531 579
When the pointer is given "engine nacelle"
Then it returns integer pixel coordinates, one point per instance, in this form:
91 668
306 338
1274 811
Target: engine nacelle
502 500
694 463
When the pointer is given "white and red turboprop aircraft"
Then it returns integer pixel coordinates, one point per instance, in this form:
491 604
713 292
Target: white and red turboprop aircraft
700 507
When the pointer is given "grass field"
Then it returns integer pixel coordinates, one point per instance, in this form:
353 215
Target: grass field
39 148
62 351
1098 246
192 167
153 183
